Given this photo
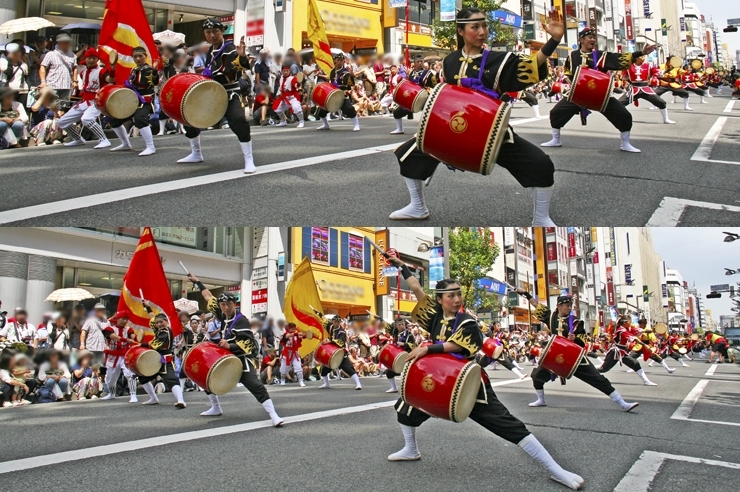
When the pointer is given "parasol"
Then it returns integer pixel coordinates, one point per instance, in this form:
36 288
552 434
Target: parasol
186 305
25 24
61 295
170 38
83 26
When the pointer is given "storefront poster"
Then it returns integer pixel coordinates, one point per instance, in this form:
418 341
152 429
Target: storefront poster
397 4
183 236
436 265
381 282
255 23
447 10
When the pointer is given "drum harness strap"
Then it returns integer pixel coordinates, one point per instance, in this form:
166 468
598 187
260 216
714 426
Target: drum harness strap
455 326
232 88
228 332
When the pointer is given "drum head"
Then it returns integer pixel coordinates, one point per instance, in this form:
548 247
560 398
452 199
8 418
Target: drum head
660 329
400 362
496 137
710 71
204 104
420 100
697 64
695 336
122 104
334 101
682 350
336 359
148 363
299 77
497 352
675 62
224 375
466 392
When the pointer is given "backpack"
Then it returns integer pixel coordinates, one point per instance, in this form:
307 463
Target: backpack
46 395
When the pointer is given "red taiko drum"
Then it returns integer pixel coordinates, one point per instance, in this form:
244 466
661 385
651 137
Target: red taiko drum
212 367
591 89
654 82
194 100
329 355
393 357
117 101
561 356
557 88
463 128
410 96
442 386
328 97
534 352
143 361
492 348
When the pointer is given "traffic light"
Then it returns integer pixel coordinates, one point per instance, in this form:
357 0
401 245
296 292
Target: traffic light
730 29
732 291
714 295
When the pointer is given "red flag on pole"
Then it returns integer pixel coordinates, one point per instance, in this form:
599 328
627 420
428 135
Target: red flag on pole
125 26
145 278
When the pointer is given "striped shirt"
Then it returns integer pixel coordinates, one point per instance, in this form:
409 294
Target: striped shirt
59 67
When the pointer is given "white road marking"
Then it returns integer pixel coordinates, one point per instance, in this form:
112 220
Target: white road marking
705 148
640 477
179 184
710 371
687 405
728 108
670 210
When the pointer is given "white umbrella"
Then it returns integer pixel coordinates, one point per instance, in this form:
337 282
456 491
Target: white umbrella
25 24
169 38
186 305
61 295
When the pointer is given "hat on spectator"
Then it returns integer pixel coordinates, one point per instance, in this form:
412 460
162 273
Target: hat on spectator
63 38
41 38
20 310
83 353
565 300
12 47
99 305
47 315
255 320
195 317
55 315
264 51
209 315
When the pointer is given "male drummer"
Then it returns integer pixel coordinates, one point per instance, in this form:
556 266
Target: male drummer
421 77
92 79
338 337
291 342
341 78
670 81
557 323
288 97
238 338
225 63
639 75
163 343
120 338
588 56
403 338
143 79
504 359
454 331
619 352
647 345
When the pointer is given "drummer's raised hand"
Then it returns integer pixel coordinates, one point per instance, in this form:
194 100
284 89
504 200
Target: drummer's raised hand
193 278
241 50
649 49
555 28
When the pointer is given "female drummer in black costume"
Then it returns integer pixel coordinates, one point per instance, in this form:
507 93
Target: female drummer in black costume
525 161
457 332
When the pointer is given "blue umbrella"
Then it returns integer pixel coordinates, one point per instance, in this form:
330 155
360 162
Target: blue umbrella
83 26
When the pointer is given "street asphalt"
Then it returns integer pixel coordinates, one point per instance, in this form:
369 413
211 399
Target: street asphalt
307 177
345 449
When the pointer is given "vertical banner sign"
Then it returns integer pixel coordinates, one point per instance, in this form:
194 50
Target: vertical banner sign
281 267
540 264
527 14
646 8
436 265
576 293
571 243
552 252
447 10
613 246
610 300
628 20
255 23
382 287
592 20
645 293
664 26
627 274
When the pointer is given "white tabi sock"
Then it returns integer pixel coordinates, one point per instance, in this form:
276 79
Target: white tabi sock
399 127
122 135
519 373
686 105
300 119
324 124
149 388
617 398
409 452
532 447
196 153
626 145
146 134
541 200
215 409
394 388
325 379
356 121
665 366
540 399
666 120
249 167
356 379
555 142
132 390
177 392
417 209
536 109
645 379
270 408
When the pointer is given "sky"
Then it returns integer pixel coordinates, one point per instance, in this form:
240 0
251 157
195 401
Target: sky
719 11
701 256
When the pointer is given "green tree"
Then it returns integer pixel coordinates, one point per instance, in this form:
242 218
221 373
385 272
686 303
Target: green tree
445 33
472 253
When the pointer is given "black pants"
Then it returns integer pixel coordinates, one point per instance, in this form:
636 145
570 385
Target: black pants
676 92
721 348
140 117
529 98
8 390
238 123
168 375
505 362
653 99
617 114
492 415
345 366
611 360
653 356
529 165
399 113
586 372
347 110
698 91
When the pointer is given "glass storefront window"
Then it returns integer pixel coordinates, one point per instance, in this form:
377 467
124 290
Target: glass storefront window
320 245
356 253
33 8
81 9
421 11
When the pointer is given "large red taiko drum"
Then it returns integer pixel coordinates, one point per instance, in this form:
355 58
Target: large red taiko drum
194 100
561 356
463 128
212 367
410 96
441 385
393 357
591 89
328 97
117 101
329 355
143 361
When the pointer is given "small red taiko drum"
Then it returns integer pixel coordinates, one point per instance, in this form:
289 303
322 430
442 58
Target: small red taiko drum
328 97
143 361
213 368
393 357
534 351
194 100
117 101
492 348
591 89
329 355
561 356
410 96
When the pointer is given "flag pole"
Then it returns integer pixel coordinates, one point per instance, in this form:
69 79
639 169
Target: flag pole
407 34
